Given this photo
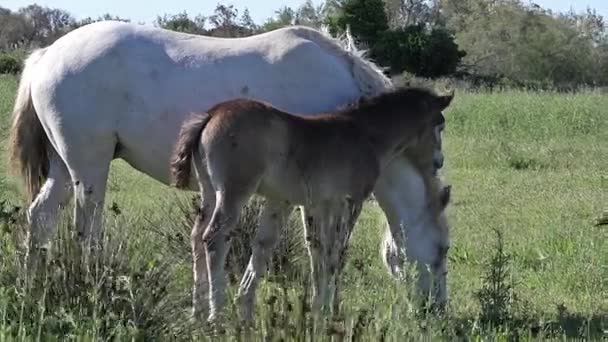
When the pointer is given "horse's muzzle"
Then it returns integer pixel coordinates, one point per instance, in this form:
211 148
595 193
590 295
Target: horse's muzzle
437 161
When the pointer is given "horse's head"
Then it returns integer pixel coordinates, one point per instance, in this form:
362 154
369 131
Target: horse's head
429 237
426 234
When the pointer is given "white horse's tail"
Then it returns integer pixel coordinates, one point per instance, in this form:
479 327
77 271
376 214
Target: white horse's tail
28 144
370 78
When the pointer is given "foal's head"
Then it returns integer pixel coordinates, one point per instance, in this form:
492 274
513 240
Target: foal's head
411 112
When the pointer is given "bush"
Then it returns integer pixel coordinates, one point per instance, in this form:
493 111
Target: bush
9 64
427 53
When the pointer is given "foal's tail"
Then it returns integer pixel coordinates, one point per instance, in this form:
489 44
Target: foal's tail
186 146
28 143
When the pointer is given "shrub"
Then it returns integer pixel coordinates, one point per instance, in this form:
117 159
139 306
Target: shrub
9 64
288 258
427 53
116 292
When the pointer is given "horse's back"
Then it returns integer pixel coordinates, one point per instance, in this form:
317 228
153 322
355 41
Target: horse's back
150 70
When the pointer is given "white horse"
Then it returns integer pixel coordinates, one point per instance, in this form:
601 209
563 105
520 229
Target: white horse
117 90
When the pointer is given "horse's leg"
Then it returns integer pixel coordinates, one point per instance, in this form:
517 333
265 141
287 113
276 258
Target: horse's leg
89 170
43 212
216 239
273 218
200 289
344 229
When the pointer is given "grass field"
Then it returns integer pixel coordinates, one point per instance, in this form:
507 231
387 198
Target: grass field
532 166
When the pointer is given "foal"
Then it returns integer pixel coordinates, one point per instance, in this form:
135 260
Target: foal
327 163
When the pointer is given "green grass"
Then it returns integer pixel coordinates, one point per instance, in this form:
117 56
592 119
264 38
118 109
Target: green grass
532 165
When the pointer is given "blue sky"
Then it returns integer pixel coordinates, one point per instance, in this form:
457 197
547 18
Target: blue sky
146 10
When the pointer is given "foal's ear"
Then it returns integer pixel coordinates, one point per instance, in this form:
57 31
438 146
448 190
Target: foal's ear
443 101
445 196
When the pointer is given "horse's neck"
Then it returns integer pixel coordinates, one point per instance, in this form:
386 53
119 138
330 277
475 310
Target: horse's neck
402 207
418 201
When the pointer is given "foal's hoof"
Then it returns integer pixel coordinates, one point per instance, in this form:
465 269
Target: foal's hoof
336 327
216 323
245 312
439 308
35 257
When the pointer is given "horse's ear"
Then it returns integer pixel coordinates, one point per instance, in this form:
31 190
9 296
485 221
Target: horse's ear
445 196
443 101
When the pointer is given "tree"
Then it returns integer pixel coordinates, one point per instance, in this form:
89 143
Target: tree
589 24
89 20
522 42
13 28
309 15
284 16
247 22
418 50
224 16
366 18
182 23
224 21
45 25
403 13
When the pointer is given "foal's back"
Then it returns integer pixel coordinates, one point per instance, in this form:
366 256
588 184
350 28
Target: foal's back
253 146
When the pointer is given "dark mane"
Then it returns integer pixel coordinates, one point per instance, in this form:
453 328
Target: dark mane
407 96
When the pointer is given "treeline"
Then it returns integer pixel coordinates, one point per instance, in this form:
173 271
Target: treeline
505 41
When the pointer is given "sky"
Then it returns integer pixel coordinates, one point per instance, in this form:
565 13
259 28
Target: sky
260 10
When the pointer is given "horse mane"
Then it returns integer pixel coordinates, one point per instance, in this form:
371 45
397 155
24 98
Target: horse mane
398 95
415 97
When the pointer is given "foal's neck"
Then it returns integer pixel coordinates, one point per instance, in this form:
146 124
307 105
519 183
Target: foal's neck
388 132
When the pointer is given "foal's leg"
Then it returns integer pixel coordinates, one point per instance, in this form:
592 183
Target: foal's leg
200 290
344 228
272 220
317 222
216 238
43 212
